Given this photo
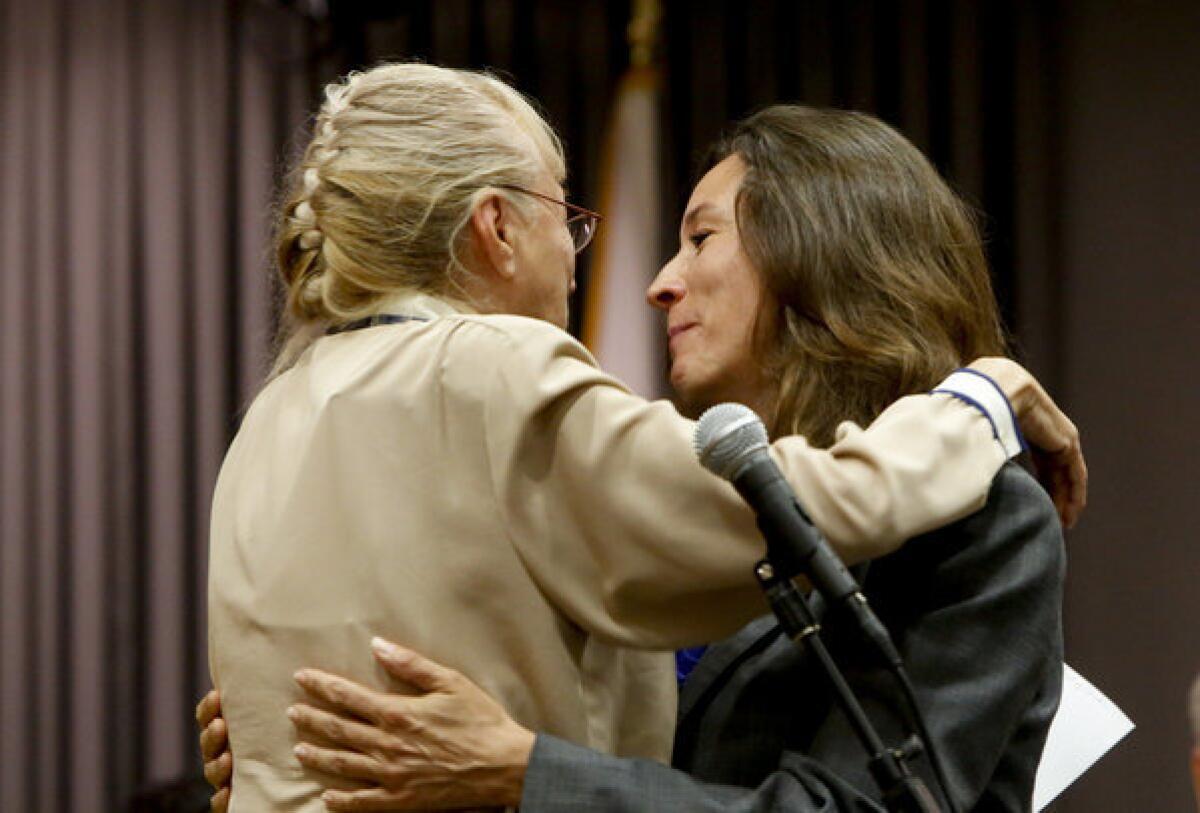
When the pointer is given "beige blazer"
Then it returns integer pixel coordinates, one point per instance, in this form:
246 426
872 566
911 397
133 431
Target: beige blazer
476 488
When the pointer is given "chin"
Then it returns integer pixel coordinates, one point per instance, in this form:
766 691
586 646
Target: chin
690 399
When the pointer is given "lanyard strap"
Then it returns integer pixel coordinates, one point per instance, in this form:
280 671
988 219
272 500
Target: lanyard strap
372 321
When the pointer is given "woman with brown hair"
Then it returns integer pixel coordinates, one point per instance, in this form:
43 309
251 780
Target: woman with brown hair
329 528
874 267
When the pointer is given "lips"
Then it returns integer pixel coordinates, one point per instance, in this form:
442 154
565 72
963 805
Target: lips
675 331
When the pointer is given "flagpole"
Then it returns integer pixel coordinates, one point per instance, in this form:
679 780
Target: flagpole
642 32
623 332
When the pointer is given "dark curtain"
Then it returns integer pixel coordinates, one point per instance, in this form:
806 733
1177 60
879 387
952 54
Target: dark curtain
139 146
138 150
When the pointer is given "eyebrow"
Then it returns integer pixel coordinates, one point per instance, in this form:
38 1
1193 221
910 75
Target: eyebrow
695 214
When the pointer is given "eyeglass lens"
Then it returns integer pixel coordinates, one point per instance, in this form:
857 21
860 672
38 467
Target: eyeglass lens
582 227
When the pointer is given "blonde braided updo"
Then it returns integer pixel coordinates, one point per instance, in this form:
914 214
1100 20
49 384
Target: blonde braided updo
379 199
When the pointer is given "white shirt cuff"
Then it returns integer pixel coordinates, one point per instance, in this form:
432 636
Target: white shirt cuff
981 392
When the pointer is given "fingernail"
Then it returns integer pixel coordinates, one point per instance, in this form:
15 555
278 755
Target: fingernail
383 647
293 712
300 750
299 675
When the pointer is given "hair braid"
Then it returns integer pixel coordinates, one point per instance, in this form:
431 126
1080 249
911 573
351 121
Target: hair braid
302 249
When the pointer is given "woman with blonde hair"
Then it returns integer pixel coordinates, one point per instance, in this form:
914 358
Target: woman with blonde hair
437 462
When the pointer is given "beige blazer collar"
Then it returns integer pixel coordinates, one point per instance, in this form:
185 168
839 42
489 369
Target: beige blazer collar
421 305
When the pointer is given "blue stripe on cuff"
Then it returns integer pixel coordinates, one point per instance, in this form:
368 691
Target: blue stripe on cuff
981 392
969 400
1012 416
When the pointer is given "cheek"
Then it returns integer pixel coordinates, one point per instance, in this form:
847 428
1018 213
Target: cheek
752 312
751 315
562 239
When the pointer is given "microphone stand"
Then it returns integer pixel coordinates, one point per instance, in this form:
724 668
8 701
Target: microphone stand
903 791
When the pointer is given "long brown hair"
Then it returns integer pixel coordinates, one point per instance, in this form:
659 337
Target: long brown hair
876 266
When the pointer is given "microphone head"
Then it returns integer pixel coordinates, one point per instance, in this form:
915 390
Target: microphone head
727 438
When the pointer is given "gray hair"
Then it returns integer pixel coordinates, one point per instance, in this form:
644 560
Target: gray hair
379 200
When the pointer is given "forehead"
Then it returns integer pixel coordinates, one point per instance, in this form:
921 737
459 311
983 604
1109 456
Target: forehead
716 193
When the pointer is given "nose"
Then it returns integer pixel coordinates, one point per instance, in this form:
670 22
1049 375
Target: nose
667 288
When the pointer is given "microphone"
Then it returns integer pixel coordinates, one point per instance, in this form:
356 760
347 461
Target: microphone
731 442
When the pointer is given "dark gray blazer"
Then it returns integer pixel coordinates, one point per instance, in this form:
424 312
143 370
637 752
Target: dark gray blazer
975 609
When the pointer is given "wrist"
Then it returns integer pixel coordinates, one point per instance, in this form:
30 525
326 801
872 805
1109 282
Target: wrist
991 397
518 754
1010 378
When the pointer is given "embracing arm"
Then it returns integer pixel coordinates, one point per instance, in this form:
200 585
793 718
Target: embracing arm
602 497
567 777
454 747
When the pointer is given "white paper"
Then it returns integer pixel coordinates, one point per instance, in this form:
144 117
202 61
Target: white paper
1086 726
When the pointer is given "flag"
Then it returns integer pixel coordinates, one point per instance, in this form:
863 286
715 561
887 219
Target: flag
619 327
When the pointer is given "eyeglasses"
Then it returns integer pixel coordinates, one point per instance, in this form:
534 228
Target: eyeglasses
581 223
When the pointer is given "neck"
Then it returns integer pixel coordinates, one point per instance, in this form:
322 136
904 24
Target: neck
762 401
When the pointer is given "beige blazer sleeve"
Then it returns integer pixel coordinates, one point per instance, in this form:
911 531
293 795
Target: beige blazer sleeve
619 525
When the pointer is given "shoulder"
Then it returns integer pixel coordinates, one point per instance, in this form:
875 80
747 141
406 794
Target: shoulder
1013 482
519 360
1014 544
1017 533
1019 512
517 335
512 347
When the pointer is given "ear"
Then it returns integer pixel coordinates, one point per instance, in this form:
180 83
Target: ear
492 230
